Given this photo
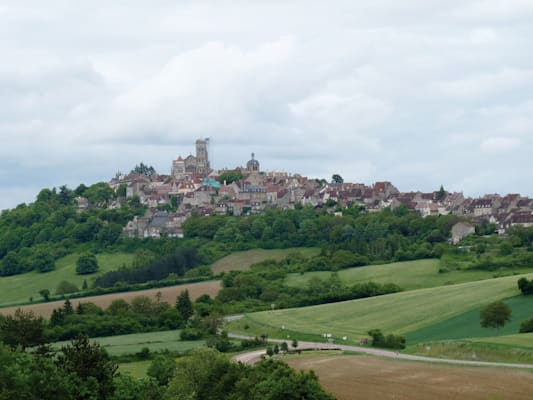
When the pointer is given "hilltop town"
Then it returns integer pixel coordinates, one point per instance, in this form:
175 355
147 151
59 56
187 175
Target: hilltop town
194 187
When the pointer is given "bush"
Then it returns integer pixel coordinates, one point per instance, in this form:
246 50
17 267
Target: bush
389 342
191 334
526 326
65 287
86 264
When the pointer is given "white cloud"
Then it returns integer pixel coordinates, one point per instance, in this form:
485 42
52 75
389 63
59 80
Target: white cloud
383 89
499 144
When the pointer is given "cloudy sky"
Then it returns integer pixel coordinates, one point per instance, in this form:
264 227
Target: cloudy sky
418 92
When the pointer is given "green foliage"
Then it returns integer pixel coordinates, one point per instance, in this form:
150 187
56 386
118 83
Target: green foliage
526 326
184 305
207 374
495 315
336 178
441 194
525 286
65 287
45 293
87 264
230 176
389 342
143 169
91 364
22 329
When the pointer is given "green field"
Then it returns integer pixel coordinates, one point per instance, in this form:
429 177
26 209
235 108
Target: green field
398 313
242 260
18 289
154 341
466 325
136 369
524 340
408 275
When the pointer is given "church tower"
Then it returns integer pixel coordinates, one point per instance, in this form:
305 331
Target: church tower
202 160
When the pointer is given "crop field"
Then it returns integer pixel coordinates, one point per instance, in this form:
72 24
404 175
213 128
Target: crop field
168 294
136 369
398 313
134 343
408 275
524 340
466 325
364 377
18 289
242 260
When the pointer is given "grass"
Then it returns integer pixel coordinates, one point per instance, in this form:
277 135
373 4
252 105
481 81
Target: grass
408 275
18 289
501 349
134 343
242 260
467 324
137 369
398 313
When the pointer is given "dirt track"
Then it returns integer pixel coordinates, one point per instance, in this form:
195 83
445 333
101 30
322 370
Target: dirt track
168 294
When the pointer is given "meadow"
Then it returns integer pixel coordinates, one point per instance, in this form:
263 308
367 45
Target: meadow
398 313
466 325
409 275
18 289
242 260
155 341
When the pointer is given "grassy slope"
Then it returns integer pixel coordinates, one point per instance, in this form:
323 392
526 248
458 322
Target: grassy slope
467 324
155 341
395 313
19 288
409 275
520 340
242 260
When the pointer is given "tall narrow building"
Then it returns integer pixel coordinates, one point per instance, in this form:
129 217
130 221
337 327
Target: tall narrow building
202 159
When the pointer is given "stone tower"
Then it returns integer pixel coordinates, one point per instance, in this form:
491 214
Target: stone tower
202 160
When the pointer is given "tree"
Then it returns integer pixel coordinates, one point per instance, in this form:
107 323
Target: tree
441 194
45 293
336 178
184 305
65 287
284 347
143 169
86 264
294 343
230 177
22 329
91 364
162 369
495 315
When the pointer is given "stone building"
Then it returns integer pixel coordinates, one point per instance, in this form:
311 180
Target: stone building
198 164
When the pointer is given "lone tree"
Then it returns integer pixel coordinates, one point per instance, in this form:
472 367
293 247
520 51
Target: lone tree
86 264
336 178
495 315
184 305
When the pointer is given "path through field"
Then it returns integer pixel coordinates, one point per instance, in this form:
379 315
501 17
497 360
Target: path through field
245 357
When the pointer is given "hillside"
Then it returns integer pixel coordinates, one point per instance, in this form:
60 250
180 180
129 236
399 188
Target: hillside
400 313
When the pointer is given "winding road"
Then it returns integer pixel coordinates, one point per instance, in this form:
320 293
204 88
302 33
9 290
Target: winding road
255 356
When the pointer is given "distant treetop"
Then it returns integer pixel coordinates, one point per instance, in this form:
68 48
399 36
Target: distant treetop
143 169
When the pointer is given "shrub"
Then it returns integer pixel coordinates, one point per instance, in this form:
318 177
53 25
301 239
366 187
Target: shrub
526 326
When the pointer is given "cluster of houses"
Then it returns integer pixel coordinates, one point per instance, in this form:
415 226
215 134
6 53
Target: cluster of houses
193 188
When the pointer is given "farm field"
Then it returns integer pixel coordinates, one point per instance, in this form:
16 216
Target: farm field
18 289
398 313
520 340
467 325
168 294
242 260
378 378
408 275
134 343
